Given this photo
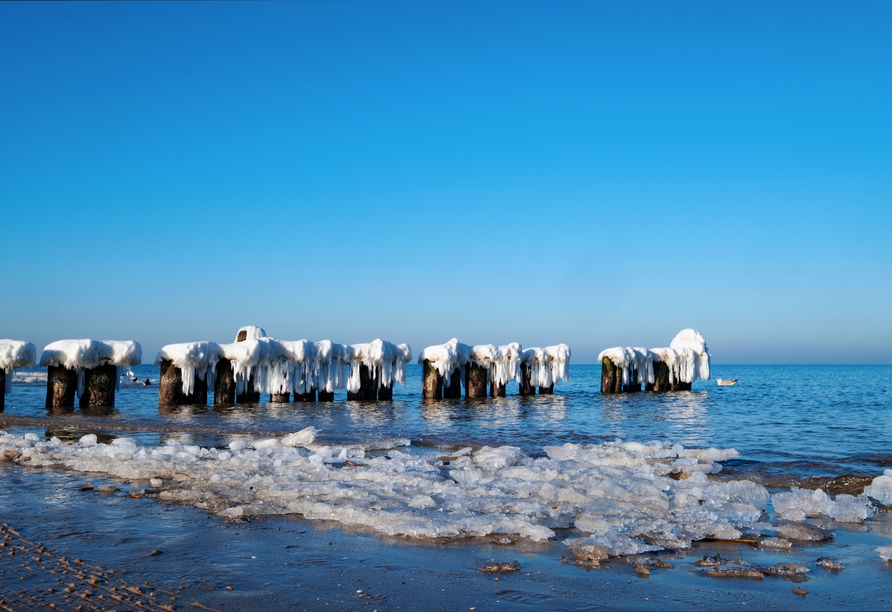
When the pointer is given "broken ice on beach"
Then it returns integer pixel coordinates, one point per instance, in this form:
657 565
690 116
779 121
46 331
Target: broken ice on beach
625 496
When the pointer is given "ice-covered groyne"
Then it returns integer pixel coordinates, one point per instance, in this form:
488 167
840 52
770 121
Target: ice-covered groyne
447 366
14 354
674 368
542 368
255 364
90 369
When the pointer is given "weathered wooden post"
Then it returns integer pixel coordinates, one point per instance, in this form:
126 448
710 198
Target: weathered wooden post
170 390
475 380
526 386
385 392
453 389
3 389
367 387
661 379
248 396
224 385
280 398
611 377
431 381
497 389
61 387
310 396
549 390
99 386
634 386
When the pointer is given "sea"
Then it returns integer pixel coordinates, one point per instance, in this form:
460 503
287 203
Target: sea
790 426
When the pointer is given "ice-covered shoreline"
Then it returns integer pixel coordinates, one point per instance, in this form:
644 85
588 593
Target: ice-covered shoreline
626 497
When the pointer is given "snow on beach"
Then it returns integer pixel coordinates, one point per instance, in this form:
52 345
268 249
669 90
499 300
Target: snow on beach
627 497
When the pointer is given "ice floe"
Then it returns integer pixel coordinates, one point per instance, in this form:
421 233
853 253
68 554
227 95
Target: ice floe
625 497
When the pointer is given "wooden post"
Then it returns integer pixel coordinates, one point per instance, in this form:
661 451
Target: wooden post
2 389
310 396
661 378
199 392
454 388
249 396
634 386
99 386
611 377
280 398
61 387
224 386
682 386
367 390
385 393
526 387
431 382
326 396
497 390
170 391
475 381
549 390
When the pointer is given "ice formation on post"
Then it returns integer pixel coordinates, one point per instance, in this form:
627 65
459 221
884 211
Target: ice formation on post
252 332
505 368
446 358
16 354
632 359
285 366
192 358
546 365
386 363
686 357
86 354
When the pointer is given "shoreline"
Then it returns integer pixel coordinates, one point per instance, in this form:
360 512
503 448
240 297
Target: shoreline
282 561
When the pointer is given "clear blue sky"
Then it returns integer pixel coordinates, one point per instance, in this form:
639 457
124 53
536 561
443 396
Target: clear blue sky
598 174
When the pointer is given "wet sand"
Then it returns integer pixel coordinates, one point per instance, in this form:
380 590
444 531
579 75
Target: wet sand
191 560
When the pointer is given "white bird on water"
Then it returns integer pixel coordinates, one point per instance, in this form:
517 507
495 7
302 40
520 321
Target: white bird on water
726 383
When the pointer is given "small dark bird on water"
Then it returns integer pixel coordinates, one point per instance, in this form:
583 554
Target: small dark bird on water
148 382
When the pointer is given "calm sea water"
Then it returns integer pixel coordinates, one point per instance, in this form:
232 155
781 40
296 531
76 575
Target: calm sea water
788 422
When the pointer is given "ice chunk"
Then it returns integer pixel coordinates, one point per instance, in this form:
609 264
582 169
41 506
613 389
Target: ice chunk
300 438
885 552
88 440
85 354
881 488
33 437
797 504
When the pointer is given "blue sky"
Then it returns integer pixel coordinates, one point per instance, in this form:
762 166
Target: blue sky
598 174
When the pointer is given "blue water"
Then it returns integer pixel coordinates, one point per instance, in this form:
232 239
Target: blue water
788 422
